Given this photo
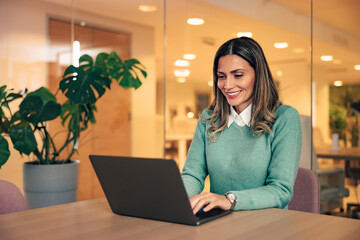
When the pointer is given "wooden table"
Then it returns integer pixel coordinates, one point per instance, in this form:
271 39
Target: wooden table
93 219
341 153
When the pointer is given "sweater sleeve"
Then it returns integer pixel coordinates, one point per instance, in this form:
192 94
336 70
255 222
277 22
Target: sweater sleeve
195 169
286 147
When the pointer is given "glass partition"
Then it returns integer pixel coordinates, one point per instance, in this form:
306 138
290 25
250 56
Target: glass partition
283 34
336 97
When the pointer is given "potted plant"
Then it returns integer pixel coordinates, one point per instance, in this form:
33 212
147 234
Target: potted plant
53 168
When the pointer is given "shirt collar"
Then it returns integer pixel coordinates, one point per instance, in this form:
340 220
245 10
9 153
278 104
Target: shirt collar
241 119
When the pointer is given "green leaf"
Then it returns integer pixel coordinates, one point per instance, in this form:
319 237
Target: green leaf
77 115
4 126
23 139
86 59
69 70
72 112
37 109
79 85
143 72
2 92
44 94
101 60
126 74
4 151
114 65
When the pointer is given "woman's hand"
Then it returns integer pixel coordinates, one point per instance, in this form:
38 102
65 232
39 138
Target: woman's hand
210 200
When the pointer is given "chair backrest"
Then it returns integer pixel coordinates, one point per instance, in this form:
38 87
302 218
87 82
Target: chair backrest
11 199
306 197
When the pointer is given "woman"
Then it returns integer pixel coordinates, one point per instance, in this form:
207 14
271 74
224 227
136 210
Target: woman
246 141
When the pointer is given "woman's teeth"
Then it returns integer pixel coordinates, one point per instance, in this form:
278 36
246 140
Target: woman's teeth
233 94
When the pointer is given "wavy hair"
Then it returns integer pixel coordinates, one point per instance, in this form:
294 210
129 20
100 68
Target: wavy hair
265 96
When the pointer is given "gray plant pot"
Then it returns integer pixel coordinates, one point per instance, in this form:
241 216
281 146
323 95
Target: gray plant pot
47 185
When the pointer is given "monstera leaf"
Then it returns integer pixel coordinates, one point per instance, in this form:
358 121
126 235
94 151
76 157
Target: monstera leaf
23 139
4 151
80 83
6 97
76 114
39 106
125 72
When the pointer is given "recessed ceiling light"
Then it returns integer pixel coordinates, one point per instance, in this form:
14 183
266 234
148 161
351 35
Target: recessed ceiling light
181 63
298 50
147 8
281 45
82 23
181 80
244 34
338 83
190 115
182 73
326 58
337 61
195 21
357 67
189 56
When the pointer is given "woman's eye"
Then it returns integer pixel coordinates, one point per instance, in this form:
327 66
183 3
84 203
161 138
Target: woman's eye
238 75
221 77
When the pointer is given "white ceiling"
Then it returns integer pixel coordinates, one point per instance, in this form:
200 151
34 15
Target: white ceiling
341 14
221 24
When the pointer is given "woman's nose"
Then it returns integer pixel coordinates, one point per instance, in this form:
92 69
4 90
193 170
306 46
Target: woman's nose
228 83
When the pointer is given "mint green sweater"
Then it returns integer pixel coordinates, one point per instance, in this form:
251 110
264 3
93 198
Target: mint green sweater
260 171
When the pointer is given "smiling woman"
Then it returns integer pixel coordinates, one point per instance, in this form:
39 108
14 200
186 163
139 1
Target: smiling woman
246 141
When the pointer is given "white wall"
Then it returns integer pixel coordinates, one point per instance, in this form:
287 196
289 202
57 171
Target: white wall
295 85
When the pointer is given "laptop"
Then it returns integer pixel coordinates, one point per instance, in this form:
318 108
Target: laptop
148 188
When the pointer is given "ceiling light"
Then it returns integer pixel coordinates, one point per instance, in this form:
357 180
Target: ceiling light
82 23
147 8
357 67
337 61
326 58
189 56
279 73
182 73
338 83
211 83
190 115
195 21
244 34
181 80
298 50
181 63
281 45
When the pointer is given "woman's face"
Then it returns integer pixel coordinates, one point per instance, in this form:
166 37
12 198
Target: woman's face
236 80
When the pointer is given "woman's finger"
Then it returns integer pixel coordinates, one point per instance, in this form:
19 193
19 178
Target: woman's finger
201 203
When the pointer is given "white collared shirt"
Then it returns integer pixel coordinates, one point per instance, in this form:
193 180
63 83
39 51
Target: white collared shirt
241 119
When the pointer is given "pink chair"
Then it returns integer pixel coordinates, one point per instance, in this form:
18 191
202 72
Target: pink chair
11 199
306 197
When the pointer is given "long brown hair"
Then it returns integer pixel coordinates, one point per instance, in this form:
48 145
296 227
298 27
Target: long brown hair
265 96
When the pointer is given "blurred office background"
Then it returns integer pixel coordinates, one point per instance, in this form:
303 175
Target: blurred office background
312 47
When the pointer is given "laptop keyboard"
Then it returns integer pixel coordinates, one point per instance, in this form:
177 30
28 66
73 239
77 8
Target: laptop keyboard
213 212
